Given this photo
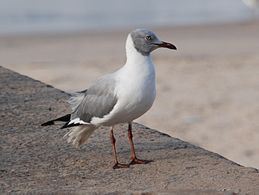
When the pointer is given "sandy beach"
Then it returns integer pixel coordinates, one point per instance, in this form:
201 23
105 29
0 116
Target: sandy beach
207 91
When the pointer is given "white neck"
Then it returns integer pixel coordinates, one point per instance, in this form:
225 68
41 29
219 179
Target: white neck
133 56
137 65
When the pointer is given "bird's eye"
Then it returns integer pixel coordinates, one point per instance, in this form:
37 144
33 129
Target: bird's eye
148 38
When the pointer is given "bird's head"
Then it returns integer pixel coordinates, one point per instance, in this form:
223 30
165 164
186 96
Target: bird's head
145 41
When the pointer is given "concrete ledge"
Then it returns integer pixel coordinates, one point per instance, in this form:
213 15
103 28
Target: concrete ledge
38 160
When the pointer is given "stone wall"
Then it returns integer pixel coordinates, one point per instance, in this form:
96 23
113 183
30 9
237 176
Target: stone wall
37 159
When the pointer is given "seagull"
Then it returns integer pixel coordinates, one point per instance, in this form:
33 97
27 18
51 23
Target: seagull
118 97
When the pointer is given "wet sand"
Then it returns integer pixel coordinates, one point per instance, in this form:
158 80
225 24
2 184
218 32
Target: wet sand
207 91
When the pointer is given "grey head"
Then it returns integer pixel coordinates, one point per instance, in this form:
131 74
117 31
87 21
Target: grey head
146 41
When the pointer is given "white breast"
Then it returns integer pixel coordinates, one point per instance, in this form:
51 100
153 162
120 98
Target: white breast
136 91
135 88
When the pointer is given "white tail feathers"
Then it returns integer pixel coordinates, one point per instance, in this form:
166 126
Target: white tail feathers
79 135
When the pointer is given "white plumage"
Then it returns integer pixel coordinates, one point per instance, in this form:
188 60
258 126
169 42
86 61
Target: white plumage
120 97
135 89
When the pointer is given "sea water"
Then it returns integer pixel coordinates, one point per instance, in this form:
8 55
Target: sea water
22 16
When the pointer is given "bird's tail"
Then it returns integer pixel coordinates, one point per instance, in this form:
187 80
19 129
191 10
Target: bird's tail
64 118
79 135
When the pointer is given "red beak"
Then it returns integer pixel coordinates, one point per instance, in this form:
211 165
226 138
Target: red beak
166 45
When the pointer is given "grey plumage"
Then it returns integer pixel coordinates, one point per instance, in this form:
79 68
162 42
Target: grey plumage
97 101
144 41
100 99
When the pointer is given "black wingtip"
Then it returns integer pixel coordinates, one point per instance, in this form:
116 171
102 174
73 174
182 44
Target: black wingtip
64 126
67 125
48 123
64 118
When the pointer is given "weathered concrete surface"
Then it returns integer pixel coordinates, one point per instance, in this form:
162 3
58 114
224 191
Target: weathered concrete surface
34 159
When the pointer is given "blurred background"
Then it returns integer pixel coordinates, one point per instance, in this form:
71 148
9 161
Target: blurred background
19 16
208 90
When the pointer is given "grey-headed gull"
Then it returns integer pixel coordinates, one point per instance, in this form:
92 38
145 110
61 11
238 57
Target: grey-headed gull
119 97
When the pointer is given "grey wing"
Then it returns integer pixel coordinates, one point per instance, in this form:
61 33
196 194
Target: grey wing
97 101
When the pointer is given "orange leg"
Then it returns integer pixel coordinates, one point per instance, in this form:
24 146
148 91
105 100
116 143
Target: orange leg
133 157
116 163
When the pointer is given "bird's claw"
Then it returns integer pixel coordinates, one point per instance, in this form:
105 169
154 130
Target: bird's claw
135 161
120 165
